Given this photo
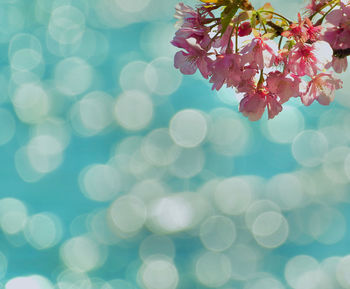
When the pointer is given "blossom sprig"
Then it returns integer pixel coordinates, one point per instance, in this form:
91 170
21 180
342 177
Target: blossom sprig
263 54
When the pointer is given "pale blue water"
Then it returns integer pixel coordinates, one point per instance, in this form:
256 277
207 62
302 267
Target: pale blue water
118 172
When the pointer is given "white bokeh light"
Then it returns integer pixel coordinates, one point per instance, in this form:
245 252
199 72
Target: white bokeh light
188 128
213 269
217 233
13 215
159 273
171 214
233 196
285 127
161 77
101 229
133 110
43 230
45 153
67 24
309 148
343 272
30 282
244 262
73 76
100 182
189 163
157 245
128 215
82 254
24 167
334 164
325 224
227 133
297 266
93 113
25 52
58 128
69 279
257 208
270 229
286 190
265 283
132 76
159 148
31 103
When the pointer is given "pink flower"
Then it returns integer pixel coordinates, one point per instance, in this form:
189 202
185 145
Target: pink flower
284 85
192 26
339 17
303 30
321 88
310 51
227 68
313 32
339 64
248 86
185 15
337 32
223 41
334 36
260 53
195 58
254 103
244 29
182 35
306 59
224 67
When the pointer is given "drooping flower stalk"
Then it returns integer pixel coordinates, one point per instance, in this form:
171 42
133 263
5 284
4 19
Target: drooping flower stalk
233 44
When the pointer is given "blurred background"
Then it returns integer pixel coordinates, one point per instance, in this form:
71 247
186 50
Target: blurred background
118 172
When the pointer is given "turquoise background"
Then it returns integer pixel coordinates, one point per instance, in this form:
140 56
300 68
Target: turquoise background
91 199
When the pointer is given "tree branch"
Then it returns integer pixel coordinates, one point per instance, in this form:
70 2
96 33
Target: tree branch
277 28
341 53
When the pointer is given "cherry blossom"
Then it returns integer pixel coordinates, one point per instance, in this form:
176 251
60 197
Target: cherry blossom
264 55
196 57
303 31
185 15
339 64
260 52
253 104
229 69
285 85
244 29
321 88
307 59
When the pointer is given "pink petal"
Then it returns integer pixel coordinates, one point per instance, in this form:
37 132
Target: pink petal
252 106
181 61
339 64
310 95
273 107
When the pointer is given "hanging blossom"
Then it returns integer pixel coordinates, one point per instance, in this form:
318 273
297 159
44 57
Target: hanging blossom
308 59
337 34
254 103
194 57
262 54
321 88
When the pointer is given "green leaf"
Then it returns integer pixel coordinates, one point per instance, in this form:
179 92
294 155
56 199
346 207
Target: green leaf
227 15
253 20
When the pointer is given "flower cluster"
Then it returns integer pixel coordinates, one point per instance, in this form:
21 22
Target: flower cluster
262 54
